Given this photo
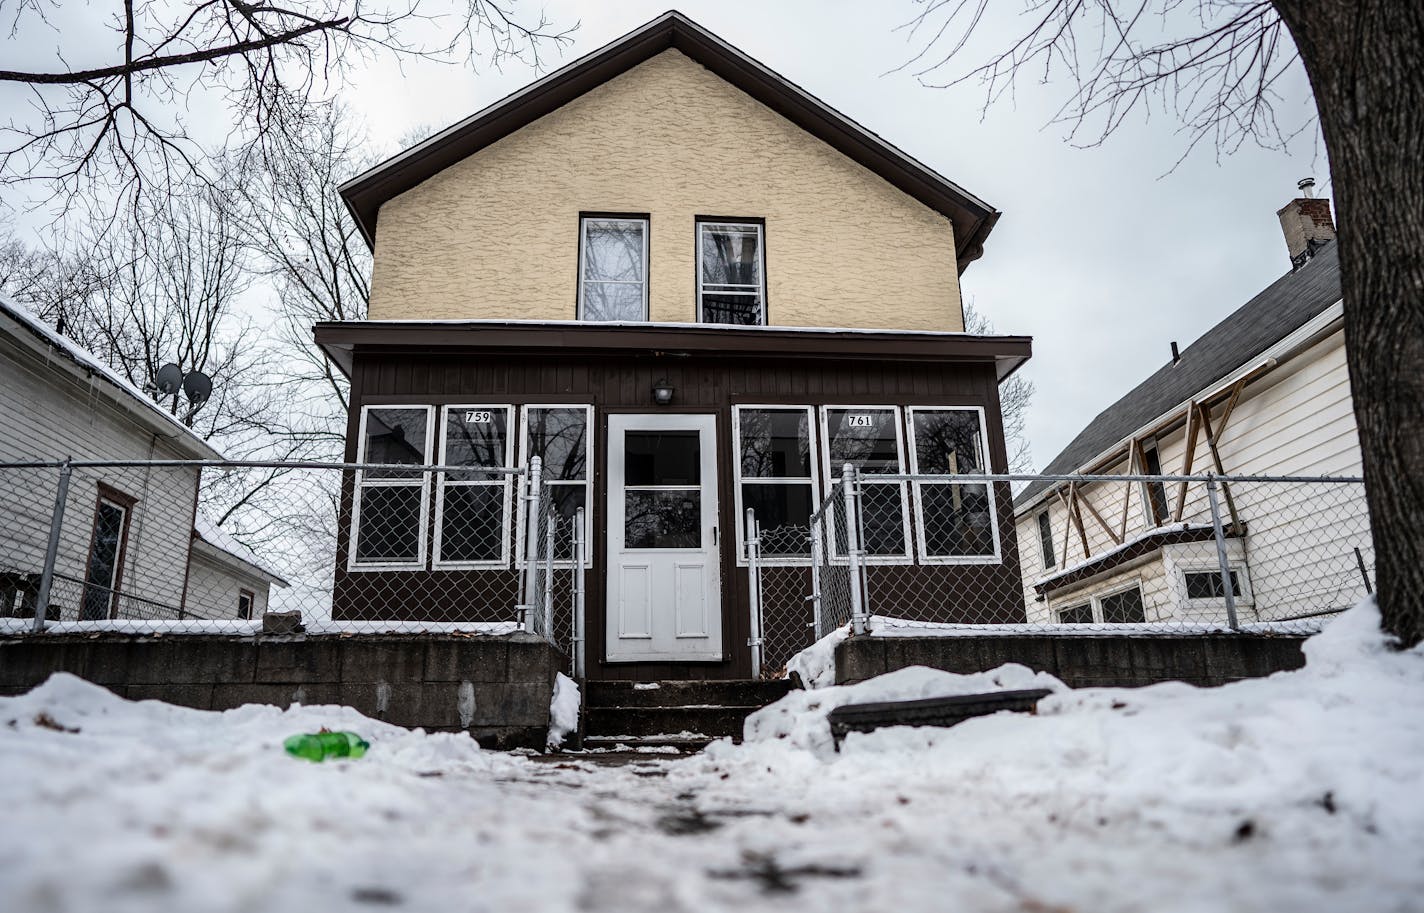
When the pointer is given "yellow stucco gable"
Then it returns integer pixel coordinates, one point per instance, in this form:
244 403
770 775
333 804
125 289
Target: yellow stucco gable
496 234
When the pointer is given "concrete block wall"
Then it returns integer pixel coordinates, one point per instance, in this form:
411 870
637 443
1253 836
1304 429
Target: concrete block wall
1080 662
496 688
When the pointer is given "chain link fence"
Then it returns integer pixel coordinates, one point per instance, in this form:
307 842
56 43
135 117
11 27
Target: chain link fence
208 547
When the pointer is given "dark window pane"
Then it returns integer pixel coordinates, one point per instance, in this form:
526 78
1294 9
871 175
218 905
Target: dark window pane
776 444
957 521
1207 585
948 442
783 510
662 519
567 500
475 436
863 437
1156 491
103 561
1124 608
396 437
882 519
731 255
662 458
244 605
1045 541
1076 615
389 524
558 437
472 526
742 310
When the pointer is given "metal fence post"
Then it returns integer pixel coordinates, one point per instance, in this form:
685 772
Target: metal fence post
815 596
578 557
56 525
854 555
753 537
531 545
548 607
1225 564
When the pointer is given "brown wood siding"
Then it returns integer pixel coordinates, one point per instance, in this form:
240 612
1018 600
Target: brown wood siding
622 383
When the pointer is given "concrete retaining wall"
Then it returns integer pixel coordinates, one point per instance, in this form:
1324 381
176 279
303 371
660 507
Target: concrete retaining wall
1081 662
496 688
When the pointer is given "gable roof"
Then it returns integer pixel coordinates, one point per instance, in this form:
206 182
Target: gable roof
1282 308
39 337
971 217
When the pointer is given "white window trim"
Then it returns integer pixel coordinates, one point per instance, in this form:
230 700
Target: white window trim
1096 601
1243 583
1149 519
921 539
815 478
831 478
506 482
360 484
583 237
761 265
520 559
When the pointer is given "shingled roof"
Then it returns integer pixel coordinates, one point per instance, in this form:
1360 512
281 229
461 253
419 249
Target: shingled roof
1282 308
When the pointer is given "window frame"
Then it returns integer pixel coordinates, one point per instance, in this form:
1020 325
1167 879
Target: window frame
1092 613
251 597
1243 584
107 494
921 537
868 478
642 218
1044 519
1096 601
737 480
590 451
699 223
505 481
361 483
1151 490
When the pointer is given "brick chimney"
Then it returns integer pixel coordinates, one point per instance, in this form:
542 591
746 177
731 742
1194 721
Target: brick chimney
1307 224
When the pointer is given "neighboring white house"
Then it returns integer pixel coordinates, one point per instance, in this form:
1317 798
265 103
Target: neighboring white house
1265 392
131 544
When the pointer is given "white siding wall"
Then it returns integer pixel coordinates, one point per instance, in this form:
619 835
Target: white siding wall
213 589
46 415
1300 544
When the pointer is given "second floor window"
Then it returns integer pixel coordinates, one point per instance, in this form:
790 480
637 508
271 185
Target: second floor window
613 268
731 278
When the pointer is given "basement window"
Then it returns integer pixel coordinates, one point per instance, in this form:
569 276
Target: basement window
391 504
613 268
731 279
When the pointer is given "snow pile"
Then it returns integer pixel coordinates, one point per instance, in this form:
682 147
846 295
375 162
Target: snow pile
563 710
800 717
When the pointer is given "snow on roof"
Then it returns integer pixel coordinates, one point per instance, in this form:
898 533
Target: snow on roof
218 538
85 359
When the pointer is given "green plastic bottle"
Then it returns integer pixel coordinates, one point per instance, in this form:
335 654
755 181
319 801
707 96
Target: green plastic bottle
318 746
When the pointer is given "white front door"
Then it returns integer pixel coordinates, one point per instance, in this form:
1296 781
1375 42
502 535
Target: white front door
664 577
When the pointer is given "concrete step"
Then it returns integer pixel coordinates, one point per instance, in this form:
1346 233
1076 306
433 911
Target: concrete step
726 693
628 748
710 721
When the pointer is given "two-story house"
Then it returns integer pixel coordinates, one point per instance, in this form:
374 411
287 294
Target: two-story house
1266 392
690 288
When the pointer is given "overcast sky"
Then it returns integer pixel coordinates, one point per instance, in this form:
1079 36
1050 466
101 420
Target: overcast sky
1097 255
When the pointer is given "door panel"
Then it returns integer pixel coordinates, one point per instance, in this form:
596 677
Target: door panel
664 575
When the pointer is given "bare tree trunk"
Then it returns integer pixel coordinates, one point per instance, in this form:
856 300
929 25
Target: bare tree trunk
1365 59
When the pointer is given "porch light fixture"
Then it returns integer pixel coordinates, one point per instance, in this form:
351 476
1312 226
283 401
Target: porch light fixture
662 392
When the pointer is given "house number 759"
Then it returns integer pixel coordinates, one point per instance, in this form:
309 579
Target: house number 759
483 417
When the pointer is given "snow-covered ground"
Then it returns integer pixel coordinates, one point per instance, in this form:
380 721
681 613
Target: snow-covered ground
1300 792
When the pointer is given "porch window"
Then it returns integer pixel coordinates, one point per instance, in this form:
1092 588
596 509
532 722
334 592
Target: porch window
558 435
955 522
775 478
391 505
869 438
472 507
731 282
613 268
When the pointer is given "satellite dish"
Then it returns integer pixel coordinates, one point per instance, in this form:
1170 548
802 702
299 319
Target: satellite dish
197 386
168 379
